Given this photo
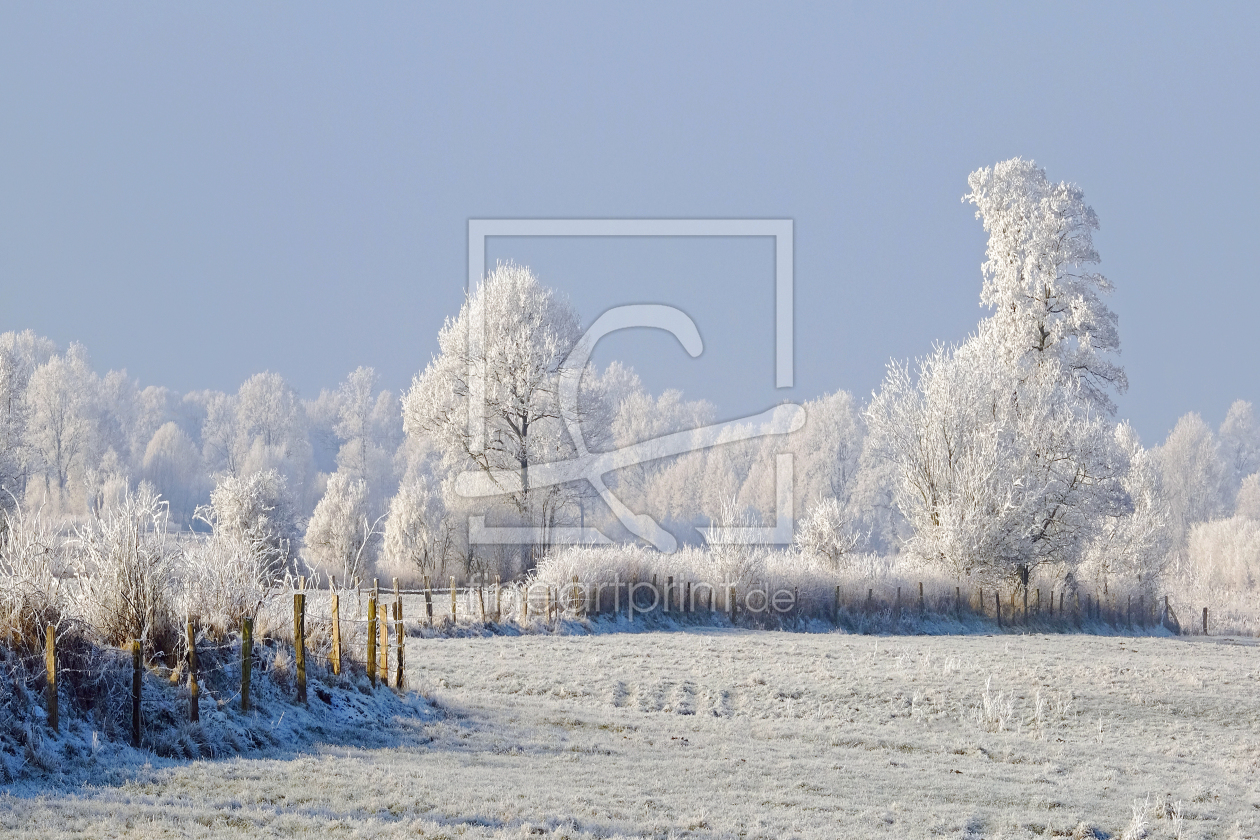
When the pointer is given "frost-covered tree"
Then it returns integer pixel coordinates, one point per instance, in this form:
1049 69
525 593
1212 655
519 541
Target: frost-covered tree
529 330
418 534
1038 278
1248 505
255 511
1002 465
1132 546
341 533
1240 441
172 465
370 424
1194 475
20 354
63 395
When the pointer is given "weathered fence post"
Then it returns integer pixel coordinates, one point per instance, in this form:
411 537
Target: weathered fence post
688 605
194 691
997 606
137 680
371 639
299 643
1205 632
958 603
922 606
428 600
481 602
524 590
835 609
247 659
399 636
870 600
730 603
579 609
334 608
50 665
382 645
454 617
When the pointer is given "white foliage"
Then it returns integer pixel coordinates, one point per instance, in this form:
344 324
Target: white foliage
1001 465
1037 276
826 531
417 532
341 533
126 564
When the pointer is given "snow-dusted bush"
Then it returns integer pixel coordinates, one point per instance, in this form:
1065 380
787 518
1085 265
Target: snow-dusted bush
254 511
826 532
1224 556
125 562
31 595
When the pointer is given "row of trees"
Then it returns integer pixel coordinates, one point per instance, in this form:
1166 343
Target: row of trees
999 458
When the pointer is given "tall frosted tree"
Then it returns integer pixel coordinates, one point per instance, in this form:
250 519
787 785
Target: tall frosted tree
1003 461
63 394
341 534
1038 277
529 330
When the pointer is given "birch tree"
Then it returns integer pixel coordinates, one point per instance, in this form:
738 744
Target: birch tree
513 370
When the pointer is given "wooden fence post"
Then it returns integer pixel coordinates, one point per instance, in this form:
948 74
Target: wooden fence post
1205 632
997 606
688 606
574 602
870 600
731 608
247 659
299 643
958 603
1037 606
498 598
428 600
524 590
399 640
137 680
194 691
922 606
454 616
382 645
334 608
481 602
835 610
50 665
371 639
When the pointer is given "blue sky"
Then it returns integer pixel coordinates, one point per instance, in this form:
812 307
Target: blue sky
198 193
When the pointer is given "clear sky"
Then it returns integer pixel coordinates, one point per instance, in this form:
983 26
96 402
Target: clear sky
199 192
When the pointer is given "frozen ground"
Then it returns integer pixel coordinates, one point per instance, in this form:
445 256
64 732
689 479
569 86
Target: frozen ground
729 733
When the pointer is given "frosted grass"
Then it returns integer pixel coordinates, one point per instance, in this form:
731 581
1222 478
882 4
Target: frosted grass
716 733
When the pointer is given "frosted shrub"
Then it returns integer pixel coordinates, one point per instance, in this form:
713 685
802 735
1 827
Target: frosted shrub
825 532
31 596
1224 555
125 564
224 579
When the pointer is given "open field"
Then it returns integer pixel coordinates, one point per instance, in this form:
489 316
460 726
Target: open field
730 733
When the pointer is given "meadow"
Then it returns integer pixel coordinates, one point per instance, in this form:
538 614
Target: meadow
719 732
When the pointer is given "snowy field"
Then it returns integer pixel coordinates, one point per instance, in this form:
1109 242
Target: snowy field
730 733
